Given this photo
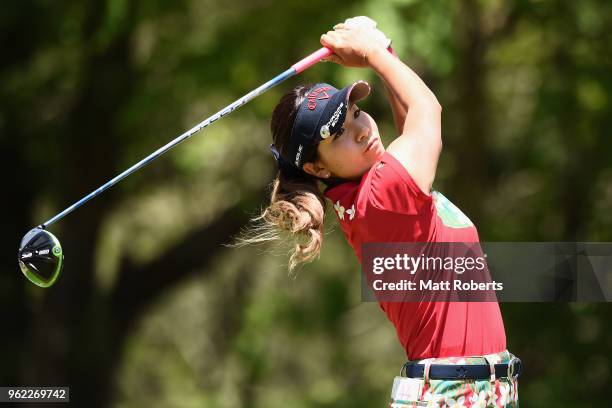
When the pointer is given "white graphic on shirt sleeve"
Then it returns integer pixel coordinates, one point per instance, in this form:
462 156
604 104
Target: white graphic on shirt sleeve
351 212
339 209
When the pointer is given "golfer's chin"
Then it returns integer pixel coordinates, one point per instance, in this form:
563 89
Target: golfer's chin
374 153
372 159
361 163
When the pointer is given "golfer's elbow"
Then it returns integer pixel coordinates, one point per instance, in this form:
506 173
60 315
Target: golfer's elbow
437 103
424 123
432 115
430 102
435 107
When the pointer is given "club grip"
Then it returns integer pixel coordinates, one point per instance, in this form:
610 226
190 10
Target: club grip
317 56
312 59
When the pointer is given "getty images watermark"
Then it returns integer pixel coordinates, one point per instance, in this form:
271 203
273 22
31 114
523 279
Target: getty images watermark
485 272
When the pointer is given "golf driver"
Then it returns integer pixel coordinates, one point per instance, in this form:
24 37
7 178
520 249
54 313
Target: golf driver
40 254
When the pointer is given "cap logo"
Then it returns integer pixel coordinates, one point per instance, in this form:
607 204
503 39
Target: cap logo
334 119
317 95
325 132
297 156
325 129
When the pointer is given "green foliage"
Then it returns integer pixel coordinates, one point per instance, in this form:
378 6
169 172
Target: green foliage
88 88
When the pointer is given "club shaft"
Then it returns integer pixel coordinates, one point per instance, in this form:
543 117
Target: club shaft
223 112
295 69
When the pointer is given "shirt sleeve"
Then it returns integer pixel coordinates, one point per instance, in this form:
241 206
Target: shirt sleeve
393 188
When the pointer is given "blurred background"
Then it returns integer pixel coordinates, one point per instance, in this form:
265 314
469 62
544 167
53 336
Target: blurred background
153 310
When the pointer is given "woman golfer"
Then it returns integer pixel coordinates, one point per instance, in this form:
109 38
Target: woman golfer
456 350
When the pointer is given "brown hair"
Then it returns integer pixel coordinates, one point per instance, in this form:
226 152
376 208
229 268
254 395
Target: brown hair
297 205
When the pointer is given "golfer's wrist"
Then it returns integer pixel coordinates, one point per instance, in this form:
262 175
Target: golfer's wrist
375 55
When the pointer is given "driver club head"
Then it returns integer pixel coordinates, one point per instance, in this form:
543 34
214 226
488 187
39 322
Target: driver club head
40 257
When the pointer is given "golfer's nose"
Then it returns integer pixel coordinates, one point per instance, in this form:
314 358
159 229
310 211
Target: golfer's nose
362 134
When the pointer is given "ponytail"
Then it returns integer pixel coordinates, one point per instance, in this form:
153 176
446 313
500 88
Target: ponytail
297 205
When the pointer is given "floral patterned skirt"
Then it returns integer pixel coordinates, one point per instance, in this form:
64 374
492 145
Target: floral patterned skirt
418 392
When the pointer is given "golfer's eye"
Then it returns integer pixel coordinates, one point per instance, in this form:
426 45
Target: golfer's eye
357 112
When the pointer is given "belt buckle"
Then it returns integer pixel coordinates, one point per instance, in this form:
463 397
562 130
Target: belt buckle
513 372
404 370
461 372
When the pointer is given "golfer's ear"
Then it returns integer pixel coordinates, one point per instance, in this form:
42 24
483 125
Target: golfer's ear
316 169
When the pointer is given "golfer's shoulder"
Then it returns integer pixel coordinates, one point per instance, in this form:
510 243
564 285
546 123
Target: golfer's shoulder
392 188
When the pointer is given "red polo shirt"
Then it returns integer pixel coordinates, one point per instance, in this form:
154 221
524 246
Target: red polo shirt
388 206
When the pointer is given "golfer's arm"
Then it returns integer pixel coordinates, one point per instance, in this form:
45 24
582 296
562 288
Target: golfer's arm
419 145
399 111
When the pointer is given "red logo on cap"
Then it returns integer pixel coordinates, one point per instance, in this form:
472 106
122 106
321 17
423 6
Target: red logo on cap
317 95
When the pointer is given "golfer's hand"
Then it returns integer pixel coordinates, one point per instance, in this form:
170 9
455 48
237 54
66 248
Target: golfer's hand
351 45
